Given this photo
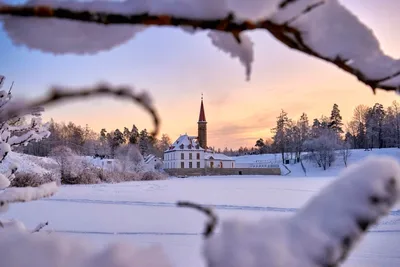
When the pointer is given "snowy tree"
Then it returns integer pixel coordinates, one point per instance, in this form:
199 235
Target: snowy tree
134 138
115 140
335 122
396 113
14 131
345 151
322 148
144 142
164 143
281 138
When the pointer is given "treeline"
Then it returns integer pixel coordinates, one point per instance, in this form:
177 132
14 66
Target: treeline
369 128
85 141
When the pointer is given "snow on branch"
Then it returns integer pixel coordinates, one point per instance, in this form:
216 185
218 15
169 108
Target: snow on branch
323 232
319 28
21 248
58 94
24 194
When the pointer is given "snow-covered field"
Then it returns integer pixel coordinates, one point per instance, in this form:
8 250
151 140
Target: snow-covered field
144 213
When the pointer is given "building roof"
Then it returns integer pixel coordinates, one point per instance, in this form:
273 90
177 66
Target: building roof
217 156
149 158
185 142
202 115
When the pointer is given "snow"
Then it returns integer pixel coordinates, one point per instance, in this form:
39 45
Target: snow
311 169
24 194
243 50
217 156
144 213
27 163
188 142
328 28
4 182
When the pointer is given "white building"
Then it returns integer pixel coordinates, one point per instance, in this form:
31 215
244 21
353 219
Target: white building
153 161
191 151
217 160
185 152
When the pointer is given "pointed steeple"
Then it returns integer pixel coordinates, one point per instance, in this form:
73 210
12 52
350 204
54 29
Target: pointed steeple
202 126
202 116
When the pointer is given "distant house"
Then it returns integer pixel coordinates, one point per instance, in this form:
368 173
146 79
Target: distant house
217 160
153 161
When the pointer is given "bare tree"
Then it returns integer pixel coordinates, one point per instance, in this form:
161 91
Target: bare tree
322 149
345 152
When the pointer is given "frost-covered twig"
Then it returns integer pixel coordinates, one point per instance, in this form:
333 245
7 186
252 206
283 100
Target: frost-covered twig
24 194
340 37
213 219
39 227
58 94
323 232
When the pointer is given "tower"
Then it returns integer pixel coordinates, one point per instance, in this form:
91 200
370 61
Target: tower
202 126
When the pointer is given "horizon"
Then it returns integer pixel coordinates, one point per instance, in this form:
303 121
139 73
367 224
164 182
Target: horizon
238 112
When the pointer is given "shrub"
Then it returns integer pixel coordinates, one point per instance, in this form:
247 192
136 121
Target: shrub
24 179
153 175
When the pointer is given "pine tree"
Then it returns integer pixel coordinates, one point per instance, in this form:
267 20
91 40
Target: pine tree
164 143
335 122
127 134
144 142
134 138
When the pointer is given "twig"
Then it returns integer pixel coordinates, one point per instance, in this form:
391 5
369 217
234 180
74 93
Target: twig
213 219
58 94
283 32
40 227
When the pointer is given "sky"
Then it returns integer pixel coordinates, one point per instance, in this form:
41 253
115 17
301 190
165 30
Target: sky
176 68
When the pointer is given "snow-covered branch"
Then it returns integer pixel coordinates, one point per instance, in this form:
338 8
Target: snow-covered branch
319 28
323 232
24 194
213 219
58 94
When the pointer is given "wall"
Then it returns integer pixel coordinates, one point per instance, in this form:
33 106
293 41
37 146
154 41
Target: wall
219 171
172 159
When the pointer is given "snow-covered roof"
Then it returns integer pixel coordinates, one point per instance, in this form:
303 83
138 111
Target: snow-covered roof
185 142
217 156
150 158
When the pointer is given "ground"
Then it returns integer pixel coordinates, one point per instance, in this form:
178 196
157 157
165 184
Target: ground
144 213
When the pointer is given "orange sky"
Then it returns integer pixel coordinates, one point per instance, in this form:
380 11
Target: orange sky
177 68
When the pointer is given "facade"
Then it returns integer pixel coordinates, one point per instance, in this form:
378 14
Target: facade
217 160
153 161
184 153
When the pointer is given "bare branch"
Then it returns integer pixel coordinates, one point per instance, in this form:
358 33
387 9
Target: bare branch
213 219
283 32
58 94
39 227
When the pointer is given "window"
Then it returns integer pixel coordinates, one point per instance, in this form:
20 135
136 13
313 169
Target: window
198 156
212 164
198 165
182 165
190 165
232 164
182 156
190 155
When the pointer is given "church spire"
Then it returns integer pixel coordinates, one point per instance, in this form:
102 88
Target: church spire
202 116
202 126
